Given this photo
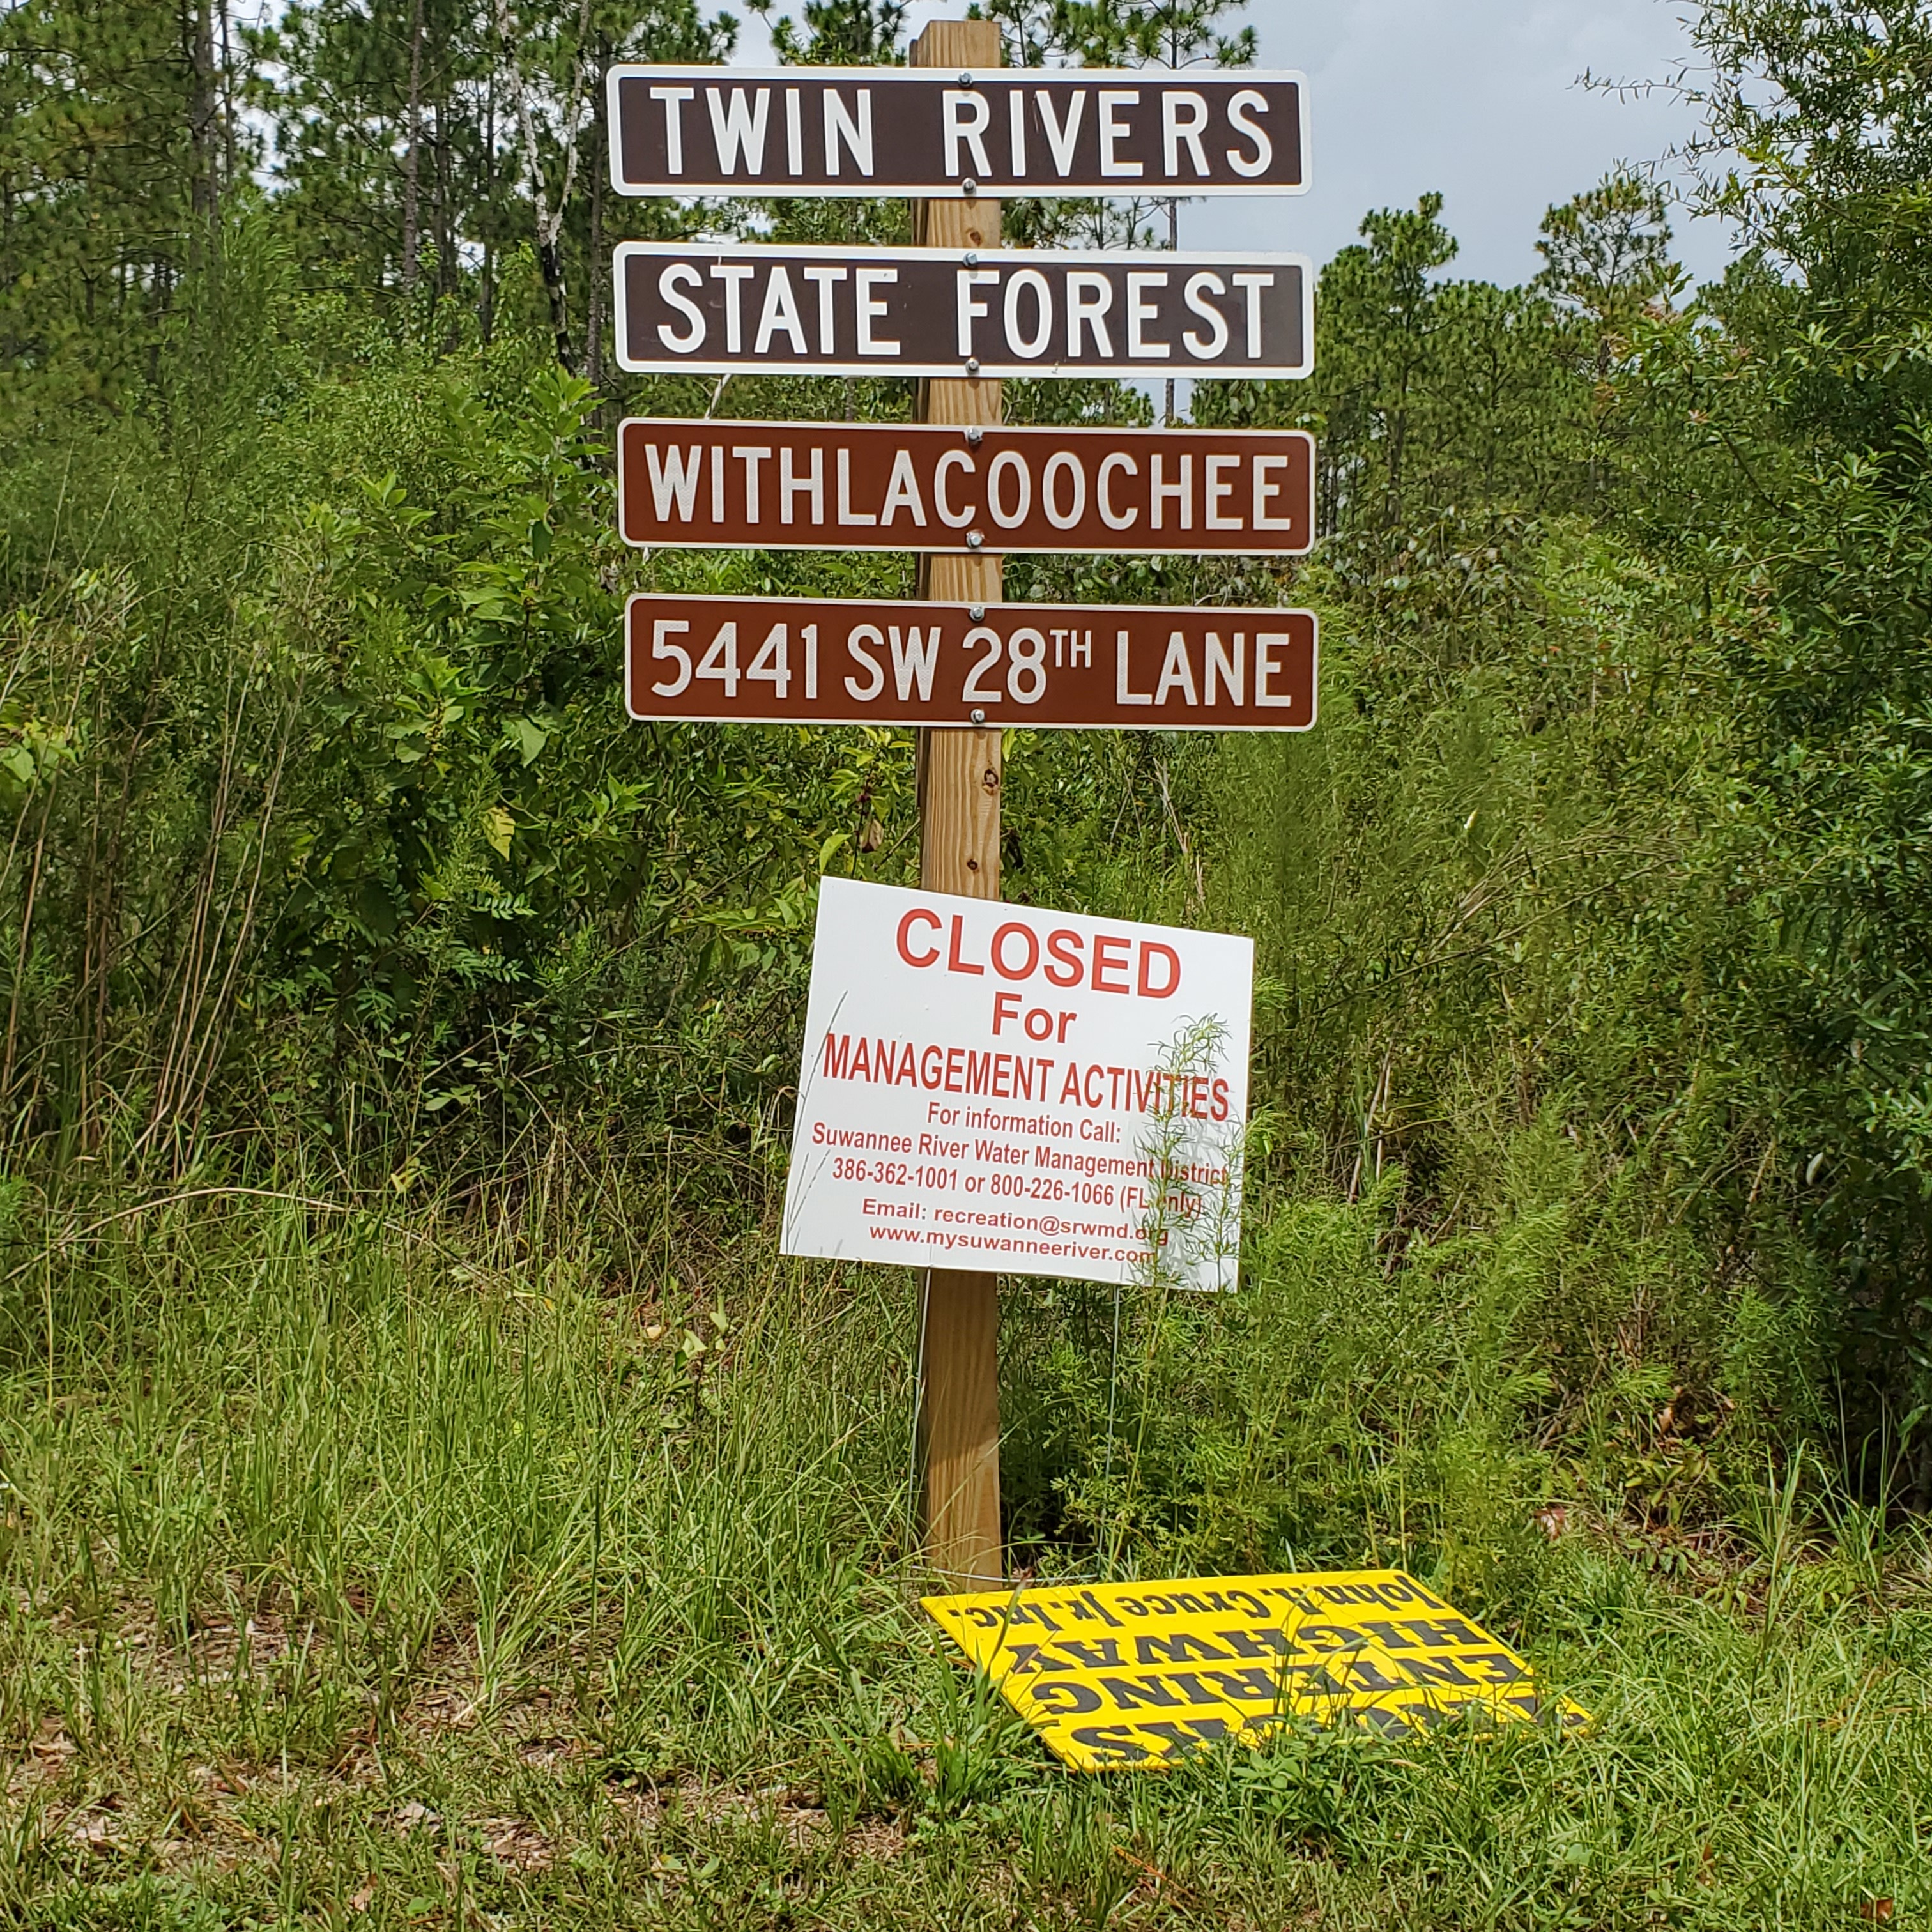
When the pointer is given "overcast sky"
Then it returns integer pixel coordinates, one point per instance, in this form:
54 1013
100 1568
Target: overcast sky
1477 98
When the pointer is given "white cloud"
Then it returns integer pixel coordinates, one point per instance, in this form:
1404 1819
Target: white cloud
1477 98
1480 99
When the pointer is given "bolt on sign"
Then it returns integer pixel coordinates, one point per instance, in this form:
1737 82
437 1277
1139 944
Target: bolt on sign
717 308
889 486
825 661
1005 1089
1118 1676
832 131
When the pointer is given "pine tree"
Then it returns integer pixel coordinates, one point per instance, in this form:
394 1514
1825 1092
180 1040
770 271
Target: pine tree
840 33
1147 33
1606 257
1431 396
410 127
119 146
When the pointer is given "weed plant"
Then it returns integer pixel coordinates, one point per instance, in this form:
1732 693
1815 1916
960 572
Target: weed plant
498 1566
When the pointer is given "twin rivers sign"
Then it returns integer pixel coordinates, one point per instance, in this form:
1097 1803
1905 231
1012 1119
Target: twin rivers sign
993 1086
870 131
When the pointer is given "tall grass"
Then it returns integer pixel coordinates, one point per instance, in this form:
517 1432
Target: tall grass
412 1438
537 1552
446 1570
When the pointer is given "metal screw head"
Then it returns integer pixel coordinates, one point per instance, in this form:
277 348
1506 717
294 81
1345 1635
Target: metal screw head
972 365
965 80
976 435
969 186
972 259
979 716
974 539
977 612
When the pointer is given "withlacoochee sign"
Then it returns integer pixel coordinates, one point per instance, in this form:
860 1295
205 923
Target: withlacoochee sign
747 484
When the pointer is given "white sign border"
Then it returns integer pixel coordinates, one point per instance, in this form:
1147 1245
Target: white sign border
1014 723
1224 1262
1118 366
931 540
1065 77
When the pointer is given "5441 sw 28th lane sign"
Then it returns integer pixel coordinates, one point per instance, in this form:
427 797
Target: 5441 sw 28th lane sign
891 486
711 309
690 130
822 661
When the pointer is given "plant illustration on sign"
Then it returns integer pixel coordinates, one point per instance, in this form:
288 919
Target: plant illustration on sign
1192 1225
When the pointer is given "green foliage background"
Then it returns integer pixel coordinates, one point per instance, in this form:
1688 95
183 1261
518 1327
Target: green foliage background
396 1044
1590 1168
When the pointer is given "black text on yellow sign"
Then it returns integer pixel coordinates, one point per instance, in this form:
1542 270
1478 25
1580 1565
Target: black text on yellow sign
1115 1675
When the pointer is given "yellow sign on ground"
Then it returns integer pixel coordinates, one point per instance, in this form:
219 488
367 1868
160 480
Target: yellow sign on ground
1117 1674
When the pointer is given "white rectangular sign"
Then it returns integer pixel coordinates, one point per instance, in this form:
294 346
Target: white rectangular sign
1015 1090
873 131
713 308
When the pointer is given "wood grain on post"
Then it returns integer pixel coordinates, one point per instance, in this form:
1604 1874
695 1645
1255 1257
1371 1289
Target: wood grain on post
959 852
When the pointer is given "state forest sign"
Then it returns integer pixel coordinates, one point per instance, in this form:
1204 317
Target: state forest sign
822 131
894 486
711 309
1003 1088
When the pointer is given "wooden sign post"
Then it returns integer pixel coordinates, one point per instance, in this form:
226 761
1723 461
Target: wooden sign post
959 780
956 311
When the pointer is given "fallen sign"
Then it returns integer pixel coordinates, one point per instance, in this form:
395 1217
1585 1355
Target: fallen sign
711 309
887 486
1114 1675
1007 1089
820 131
812 661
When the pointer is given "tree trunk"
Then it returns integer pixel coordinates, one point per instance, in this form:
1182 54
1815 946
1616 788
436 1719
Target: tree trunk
204 187
549 260
411 152
228 162
445 201
486 292
593 301
549 225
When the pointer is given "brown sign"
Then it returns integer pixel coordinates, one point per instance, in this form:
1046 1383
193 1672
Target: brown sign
883 131
689 308
905 486
810 660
